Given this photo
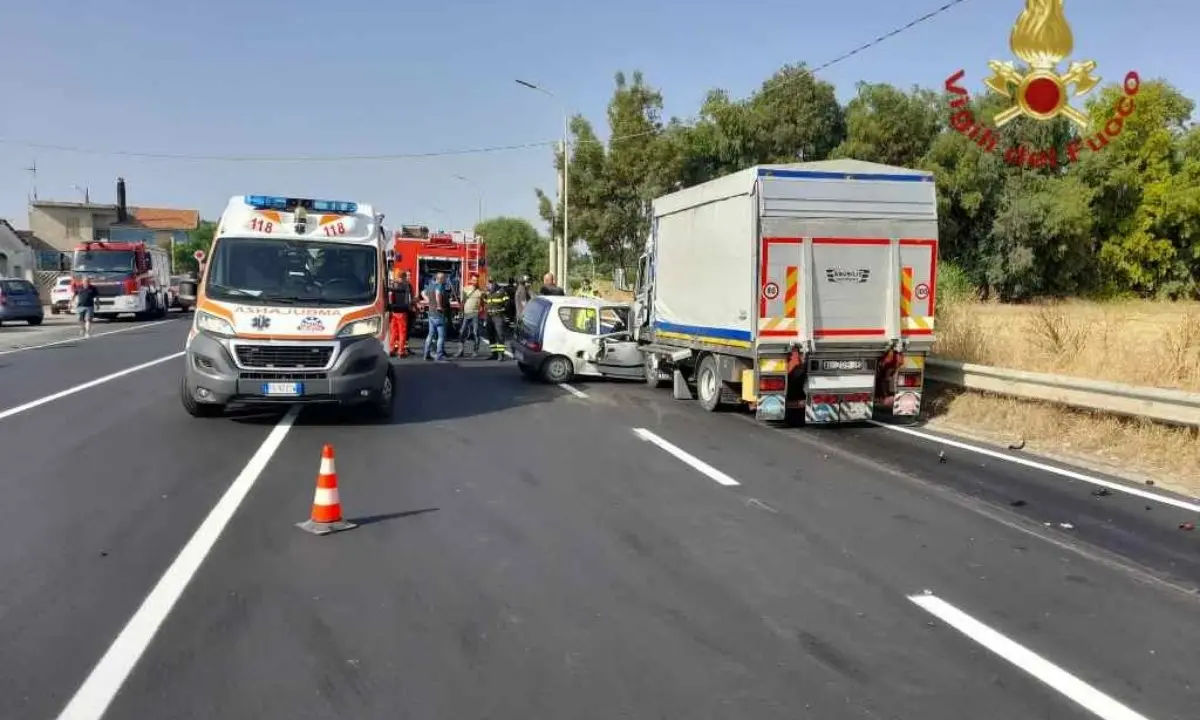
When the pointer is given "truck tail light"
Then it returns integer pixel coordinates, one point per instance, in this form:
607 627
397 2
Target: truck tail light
772 384
909 380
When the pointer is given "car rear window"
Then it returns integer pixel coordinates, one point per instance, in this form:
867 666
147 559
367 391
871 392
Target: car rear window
17 287
533 318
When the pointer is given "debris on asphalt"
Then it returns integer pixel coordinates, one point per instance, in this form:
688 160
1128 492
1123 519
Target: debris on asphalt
1189 526
1018 503
1018 445
1102 492
942 456
1149 482
1066 526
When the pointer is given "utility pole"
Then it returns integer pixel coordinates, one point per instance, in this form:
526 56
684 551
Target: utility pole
32 170
560 252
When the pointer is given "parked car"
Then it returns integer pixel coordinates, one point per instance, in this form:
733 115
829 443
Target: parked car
60 295
19 301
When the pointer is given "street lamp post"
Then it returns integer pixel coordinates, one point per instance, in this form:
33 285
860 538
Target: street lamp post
564 250
478 190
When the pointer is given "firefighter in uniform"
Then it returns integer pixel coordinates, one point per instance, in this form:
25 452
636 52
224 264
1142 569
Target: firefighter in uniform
497 310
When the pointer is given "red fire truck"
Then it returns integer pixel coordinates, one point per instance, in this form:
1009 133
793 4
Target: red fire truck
424 254
131 277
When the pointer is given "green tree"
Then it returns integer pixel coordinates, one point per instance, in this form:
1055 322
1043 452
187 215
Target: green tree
199 239
886 125
1122 220
514 247
1144 184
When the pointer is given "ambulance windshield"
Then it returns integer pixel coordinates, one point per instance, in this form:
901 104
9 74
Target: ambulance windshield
293 272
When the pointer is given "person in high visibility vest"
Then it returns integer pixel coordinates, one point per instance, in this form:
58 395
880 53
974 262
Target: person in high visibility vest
497 311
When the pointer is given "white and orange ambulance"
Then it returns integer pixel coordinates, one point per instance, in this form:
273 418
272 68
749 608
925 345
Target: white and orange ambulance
290 309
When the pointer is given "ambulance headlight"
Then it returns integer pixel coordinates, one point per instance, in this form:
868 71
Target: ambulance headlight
360 328
212 324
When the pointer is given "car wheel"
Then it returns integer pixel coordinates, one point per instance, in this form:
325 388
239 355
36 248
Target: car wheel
35 321
708 384
558 370
654 377
53 311
195 408
383 406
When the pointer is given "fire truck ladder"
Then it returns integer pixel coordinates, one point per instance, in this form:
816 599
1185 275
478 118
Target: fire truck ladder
472 257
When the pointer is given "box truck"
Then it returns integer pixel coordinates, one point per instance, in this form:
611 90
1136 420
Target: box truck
803 291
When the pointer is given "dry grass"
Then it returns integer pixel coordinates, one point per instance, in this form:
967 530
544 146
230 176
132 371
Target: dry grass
1134 342
1133 449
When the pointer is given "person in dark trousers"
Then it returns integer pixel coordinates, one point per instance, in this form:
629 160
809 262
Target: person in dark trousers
549 286
400 300
435 296
85 305
497 305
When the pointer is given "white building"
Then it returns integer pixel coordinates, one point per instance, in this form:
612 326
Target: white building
17 259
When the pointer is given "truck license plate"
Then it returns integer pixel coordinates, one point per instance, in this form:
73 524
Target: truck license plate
841 364
282 388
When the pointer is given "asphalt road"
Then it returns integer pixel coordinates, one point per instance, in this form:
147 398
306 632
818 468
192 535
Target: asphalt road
528 551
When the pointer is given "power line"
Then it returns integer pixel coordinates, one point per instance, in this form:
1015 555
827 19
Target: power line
810 72
279 158
387 157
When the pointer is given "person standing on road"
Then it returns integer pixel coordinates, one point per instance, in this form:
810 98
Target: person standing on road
549 286
85 305
400 297
521 296
435 296
497 304
472 309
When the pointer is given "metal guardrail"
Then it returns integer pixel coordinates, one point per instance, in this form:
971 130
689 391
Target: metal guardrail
1168 406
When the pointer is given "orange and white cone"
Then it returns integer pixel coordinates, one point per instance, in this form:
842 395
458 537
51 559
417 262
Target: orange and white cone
327 505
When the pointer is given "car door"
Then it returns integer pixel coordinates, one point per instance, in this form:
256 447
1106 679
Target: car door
617 355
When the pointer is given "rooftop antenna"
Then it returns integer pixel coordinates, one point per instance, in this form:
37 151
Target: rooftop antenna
32 170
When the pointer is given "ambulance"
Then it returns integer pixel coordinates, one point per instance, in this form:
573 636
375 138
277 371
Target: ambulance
290 309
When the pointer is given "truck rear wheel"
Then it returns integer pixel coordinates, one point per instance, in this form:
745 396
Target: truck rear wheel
708 384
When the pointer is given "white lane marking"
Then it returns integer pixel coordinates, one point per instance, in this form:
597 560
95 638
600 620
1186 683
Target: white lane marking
76 338
84 386
688 459
101 686
573 390
1085 695
1074 475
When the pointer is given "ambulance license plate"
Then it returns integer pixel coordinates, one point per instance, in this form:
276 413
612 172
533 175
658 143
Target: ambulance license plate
278 388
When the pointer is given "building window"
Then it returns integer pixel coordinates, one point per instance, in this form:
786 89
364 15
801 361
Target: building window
73 227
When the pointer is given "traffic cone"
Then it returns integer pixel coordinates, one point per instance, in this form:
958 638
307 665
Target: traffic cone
327 506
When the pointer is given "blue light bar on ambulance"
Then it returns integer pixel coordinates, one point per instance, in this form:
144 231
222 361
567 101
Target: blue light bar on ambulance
334 206
267 202
273 202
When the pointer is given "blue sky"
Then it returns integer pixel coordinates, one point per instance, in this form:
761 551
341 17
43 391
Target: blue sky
360 77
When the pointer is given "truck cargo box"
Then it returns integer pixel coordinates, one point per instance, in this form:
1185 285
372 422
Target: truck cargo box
833 254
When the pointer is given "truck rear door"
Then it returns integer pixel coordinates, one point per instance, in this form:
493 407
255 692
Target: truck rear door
838 252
